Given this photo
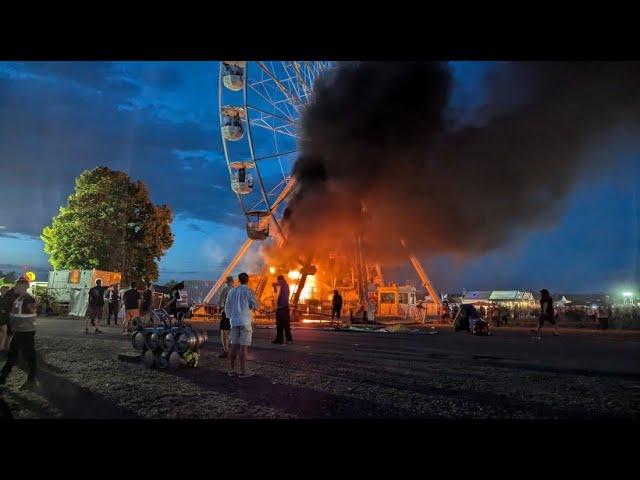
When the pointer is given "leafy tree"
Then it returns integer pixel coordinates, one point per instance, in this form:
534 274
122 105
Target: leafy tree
7 278
109 223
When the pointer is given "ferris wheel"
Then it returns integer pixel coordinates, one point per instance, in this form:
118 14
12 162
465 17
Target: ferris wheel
260 108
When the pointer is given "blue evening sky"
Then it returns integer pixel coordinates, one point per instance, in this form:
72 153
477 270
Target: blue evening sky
158 121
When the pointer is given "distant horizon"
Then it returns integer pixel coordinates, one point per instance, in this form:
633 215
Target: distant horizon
39 271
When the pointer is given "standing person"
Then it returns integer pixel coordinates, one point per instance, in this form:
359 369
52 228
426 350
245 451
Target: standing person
225 326
240 303
147 297
113 297
96 305
131 300
283 317
22 324
336 305
7 296
546 313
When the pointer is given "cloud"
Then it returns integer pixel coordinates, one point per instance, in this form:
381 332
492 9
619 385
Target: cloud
62 118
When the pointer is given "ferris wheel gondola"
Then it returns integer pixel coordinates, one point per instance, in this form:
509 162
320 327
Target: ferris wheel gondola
260 108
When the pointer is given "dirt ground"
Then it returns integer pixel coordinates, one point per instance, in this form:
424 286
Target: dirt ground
329 374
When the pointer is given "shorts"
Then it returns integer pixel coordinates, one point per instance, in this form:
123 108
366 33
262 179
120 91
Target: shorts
241 336
550 319
95 312
131 313
225 324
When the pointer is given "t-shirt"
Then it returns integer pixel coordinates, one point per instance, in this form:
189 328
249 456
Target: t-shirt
131 298
239 305
96 296
113 296
224 291
546 306
283 297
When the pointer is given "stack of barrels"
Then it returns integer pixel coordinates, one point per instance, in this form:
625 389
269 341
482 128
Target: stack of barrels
168 346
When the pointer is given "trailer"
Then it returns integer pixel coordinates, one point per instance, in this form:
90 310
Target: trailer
69 289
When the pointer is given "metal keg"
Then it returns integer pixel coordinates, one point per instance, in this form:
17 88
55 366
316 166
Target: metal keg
149 359
162 359
175 361
187 339
137 340
152 338
168 339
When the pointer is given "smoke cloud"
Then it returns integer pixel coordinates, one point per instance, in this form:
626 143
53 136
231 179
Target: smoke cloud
382 153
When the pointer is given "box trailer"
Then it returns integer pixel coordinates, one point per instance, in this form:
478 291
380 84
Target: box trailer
71 287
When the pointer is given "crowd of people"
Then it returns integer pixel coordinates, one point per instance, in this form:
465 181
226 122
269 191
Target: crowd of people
127 306
18 311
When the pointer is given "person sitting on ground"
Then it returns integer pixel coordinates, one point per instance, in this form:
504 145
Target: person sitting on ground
283 317
225 326
131 299
96 305
22 325
239 306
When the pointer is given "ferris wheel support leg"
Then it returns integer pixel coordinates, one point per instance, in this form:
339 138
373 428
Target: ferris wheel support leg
241 253
424 278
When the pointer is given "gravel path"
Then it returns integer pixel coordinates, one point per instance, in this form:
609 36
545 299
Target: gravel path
339 375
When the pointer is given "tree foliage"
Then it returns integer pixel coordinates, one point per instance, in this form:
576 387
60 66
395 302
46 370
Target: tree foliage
109 223
7 278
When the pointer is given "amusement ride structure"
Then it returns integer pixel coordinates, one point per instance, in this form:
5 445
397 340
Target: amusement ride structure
261 104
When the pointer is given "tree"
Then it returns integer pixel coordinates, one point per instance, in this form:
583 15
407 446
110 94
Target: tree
8 278
109 224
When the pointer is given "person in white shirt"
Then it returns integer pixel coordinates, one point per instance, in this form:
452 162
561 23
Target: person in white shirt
239 306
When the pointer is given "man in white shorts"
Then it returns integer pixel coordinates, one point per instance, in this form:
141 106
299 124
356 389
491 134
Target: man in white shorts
239 306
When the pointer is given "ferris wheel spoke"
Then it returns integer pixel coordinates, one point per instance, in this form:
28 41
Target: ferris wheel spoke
305 87
266 97
279 154
262 123
294 80
289 120
294 99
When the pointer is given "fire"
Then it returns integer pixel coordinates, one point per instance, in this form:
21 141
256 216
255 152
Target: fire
309 287
272 270
294 275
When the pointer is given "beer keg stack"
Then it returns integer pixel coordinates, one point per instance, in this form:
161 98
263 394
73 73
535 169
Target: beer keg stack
168 345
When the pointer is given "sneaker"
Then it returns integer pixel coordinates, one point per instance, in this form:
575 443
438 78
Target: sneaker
289 342
556 334
98 331
28 385
246 374
125 332
231 373
277 341
223 355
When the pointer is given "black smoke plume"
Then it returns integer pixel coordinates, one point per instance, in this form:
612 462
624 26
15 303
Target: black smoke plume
382 154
